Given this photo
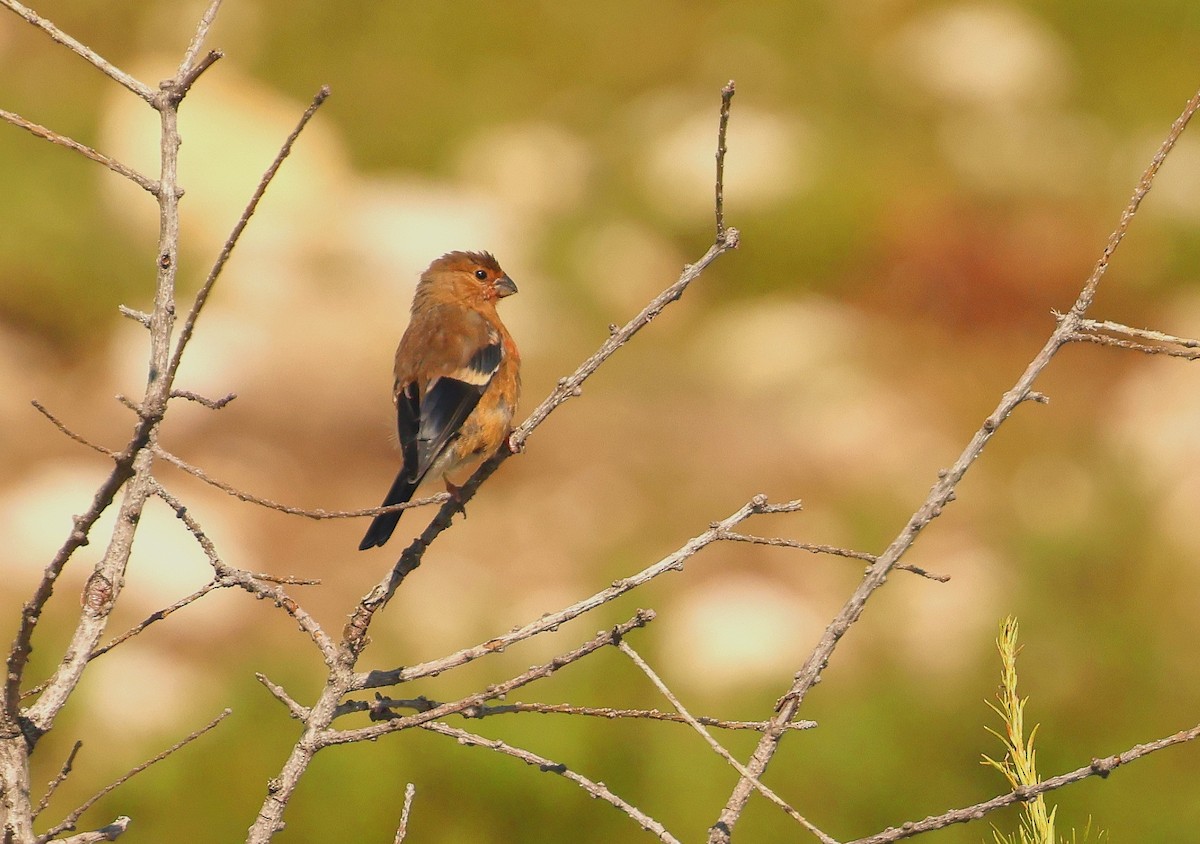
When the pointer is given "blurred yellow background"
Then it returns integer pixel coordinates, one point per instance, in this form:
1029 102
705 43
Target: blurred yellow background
918 186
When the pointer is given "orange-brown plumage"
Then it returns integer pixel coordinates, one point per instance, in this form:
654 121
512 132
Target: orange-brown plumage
457 378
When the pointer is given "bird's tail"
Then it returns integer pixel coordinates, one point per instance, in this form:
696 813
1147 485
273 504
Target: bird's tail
382 525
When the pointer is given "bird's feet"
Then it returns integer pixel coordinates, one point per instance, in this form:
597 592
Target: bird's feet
456 498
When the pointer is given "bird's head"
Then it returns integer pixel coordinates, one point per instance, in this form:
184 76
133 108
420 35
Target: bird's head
467 277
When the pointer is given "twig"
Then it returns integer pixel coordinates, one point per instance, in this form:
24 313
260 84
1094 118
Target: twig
1133 346
318 513
211 404
379 709
58 780
722 127
186 70
695 724
780 542
940 495
1139 333
68 823
551 621
596 789
89 55
227 575
158 615
300 713
410 791
537 672
1098 767
189 323
79 438
53 137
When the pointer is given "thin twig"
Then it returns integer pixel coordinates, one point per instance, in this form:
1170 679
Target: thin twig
410 791
596 789
68 823
381 706
189 323
1098 767
158 615
300 713
58 780
88 54
1140 333
211 404
695 724
722 128
186 67
79 438
86 151
318 513
780 542
227 575
1133 345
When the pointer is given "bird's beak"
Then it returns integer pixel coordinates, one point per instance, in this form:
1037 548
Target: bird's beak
504 287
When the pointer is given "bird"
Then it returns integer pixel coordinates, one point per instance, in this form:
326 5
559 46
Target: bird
458 379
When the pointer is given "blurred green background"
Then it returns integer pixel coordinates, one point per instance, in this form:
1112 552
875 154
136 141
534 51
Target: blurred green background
918 186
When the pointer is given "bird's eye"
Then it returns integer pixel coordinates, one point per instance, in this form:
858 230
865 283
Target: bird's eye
481 274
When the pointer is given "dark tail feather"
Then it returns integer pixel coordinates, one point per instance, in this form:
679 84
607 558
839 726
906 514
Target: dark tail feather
382 526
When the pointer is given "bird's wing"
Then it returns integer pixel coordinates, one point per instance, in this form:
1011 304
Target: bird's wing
449 400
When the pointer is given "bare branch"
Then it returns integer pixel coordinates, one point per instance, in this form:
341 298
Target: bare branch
229 576
79 438
381 707
722 128
1098 767
189 324
89 55
1135 202
187 70
596 789
137 316
68 823
317 514
410 791
58 780
144 182
106 833
211 404
695 724
300 713
1105 333
779 542
158 615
